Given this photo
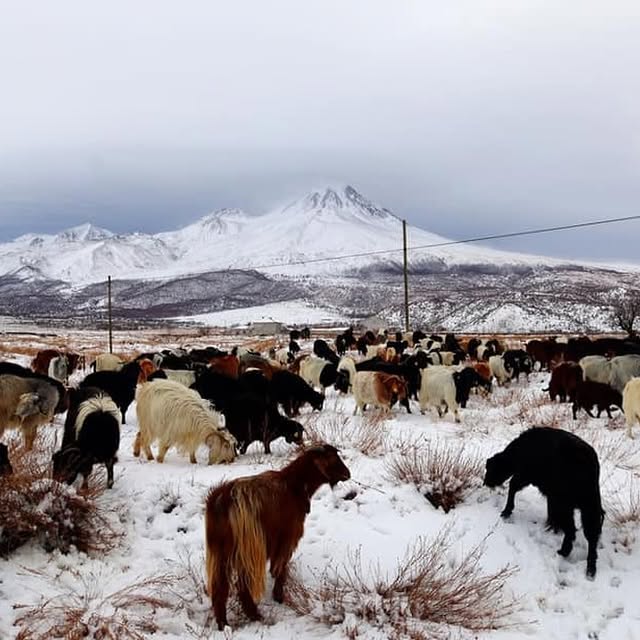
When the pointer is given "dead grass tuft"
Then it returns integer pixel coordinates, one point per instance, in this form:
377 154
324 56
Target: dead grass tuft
86 611
366 434
616 449
35 507
623 507
443 471
425 597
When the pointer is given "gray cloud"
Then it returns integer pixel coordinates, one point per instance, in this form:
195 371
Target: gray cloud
465 119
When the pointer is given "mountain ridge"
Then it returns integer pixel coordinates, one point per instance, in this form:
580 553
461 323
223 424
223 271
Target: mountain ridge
318 227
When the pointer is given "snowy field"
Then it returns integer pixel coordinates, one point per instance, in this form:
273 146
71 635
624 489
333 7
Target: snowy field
296 312
159 508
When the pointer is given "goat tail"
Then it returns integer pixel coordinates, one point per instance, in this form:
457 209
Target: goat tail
250 545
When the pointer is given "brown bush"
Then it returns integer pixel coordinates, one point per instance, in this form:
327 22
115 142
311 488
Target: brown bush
366 434
35 507
85 611
425 596
443 471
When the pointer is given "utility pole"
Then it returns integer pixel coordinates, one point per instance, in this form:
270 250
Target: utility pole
406 276
110 320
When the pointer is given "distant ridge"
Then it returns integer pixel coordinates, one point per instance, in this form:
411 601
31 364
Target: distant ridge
324 223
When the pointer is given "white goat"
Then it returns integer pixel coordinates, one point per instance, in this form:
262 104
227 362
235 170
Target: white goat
498 370
631 404
438 389
177 416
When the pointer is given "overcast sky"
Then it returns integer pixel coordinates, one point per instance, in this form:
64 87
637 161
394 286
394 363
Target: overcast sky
466 118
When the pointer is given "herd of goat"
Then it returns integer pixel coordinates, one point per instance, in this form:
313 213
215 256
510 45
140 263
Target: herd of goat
227 400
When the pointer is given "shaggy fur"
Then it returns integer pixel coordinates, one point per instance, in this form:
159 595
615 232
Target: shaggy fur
107 362
631 404
177 416
566 470
596 368
92 435
26 403
379 389
252 520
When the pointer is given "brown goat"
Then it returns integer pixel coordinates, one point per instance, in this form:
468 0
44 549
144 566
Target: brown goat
252 520
227 365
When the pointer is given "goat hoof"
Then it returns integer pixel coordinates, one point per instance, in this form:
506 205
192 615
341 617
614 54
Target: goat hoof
506 513
591 573
564 552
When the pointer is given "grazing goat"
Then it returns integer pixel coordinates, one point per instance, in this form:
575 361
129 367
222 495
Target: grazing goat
120 385
566 470
26 403
441 386
324 351
379 389
623 368
292 392
251 417
517 361
499 371
596 368
107 362
258 519
565 378
16 370
631 404
318 372
5 466
589 393
92 435
177 416
227 364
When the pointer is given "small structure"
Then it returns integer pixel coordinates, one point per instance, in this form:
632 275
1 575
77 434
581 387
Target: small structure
266 328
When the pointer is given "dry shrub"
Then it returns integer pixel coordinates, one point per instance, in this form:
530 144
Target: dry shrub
366 434
616 449
538 410
86 611
33 506
427 594
622 509
443 471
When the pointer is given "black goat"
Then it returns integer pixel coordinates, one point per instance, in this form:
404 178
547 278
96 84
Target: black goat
120 385
566 470
91 435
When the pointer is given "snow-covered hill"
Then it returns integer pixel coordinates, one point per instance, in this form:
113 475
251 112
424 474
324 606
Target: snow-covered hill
229 260
322 224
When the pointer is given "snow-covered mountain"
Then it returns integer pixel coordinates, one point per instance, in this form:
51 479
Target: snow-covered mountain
322 224
232 260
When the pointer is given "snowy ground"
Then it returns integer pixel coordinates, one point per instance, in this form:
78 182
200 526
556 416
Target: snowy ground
295 312
161 509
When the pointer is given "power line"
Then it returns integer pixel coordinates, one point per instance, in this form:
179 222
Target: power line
448 243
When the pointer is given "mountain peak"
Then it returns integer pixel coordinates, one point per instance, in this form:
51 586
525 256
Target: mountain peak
83 233
340 199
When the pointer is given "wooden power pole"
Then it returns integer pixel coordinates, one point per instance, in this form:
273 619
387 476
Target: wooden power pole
406 276
109 318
